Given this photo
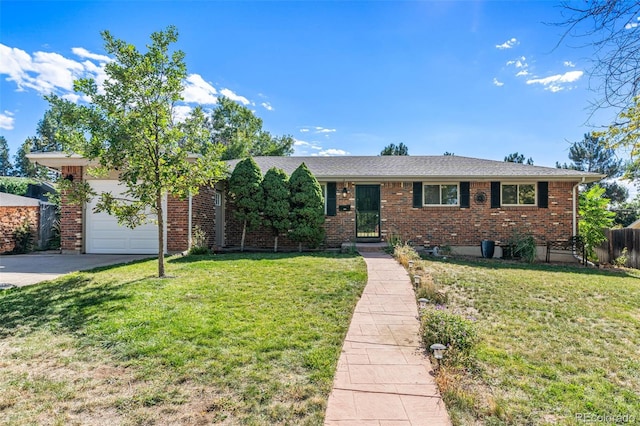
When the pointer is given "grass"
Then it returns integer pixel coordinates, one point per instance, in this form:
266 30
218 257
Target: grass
558 344
233 339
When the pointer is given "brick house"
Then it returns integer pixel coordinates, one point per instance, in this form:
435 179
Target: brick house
433 200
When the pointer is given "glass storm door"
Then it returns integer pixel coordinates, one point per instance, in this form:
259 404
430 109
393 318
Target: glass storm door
368 211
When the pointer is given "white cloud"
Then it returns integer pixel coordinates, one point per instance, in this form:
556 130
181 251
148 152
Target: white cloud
84 53
522 73
508 44
50 72
302 144
234 97
306 148
520 62
47 72
304 130
332 152
267 106
196 90
181 112
569 64
632 25
497 83
324 130
554 83
6 120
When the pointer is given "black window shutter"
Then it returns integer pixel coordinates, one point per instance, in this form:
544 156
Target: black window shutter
417 194
495 195
465 196
331 198
543 195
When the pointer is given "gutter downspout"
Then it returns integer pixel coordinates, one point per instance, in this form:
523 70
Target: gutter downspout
189 234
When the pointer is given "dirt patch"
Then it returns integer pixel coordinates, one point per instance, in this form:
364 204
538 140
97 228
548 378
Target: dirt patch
62 385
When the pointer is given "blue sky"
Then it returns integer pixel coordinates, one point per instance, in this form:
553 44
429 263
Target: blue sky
479 79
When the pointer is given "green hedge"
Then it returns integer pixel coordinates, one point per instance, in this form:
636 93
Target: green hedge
15 185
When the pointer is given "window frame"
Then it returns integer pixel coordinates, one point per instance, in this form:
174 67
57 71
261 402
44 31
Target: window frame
440 185
323 187
517 185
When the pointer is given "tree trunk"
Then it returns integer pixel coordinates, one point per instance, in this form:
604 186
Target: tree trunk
275 246
244 232
160 234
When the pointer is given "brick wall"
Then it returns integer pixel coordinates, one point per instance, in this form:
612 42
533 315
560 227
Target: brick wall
453 226
456 226
13 217
204 214
177 224
71 229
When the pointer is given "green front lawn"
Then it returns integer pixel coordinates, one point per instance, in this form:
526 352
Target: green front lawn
559 345
249 339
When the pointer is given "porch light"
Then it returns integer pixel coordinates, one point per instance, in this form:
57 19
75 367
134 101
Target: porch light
345 192
423 304
438 350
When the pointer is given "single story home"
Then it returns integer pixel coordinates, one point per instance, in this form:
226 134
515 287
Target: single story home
432 200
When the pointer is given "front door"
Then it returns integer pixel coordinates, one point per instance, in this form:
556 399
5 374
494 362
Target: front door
368 211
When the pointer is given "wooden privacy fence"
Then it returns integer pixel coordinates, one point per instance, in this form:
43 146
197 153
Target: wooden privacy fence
617 240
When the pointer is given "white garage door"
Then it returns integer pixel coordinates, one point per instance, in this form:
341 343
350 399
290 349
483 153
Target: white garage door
105 236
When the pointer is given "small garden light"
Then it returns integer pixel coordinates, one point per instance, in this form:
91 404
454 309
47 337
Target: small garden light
411 264
416 280
438 351
423 304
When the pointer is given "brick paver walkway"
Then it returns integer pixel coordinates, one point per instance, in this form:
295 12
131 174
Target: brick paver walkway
383 376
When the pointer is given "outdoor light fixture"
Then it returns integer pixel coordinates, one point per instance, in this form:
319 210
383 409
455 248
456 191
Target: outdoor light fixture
411 264
416 280
423 304
438 350
344 192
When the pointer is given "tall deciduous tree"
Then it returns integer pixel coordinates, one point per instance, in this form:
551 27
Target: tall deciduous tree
129 125
239 131
594 218
393 149
518 158
245 188
610 28
5 163
307 208
591 155
625 135
275 187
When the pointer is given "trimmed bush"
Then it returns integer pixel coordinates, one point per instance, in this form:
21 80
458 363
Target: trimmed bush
23 238
452 330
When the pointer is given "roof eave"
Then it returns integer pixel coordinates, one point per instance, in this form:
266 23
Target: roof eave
456 178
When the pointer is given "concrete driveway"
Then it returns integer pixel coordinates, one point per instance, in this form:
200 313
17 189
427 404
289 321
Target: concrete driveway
25 269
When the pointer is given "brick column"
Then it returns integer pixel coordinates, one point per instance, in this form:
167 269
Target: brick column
71 226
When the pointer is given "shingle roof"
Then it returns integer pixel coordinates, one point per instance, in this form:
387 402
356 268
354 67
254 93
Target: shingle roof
409 168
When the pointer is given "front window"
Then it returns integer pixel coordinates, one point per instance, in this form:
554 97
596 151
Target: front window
441 194
519 194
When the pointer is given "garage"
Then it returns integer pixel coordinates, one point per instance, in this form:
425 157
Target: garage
105 236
